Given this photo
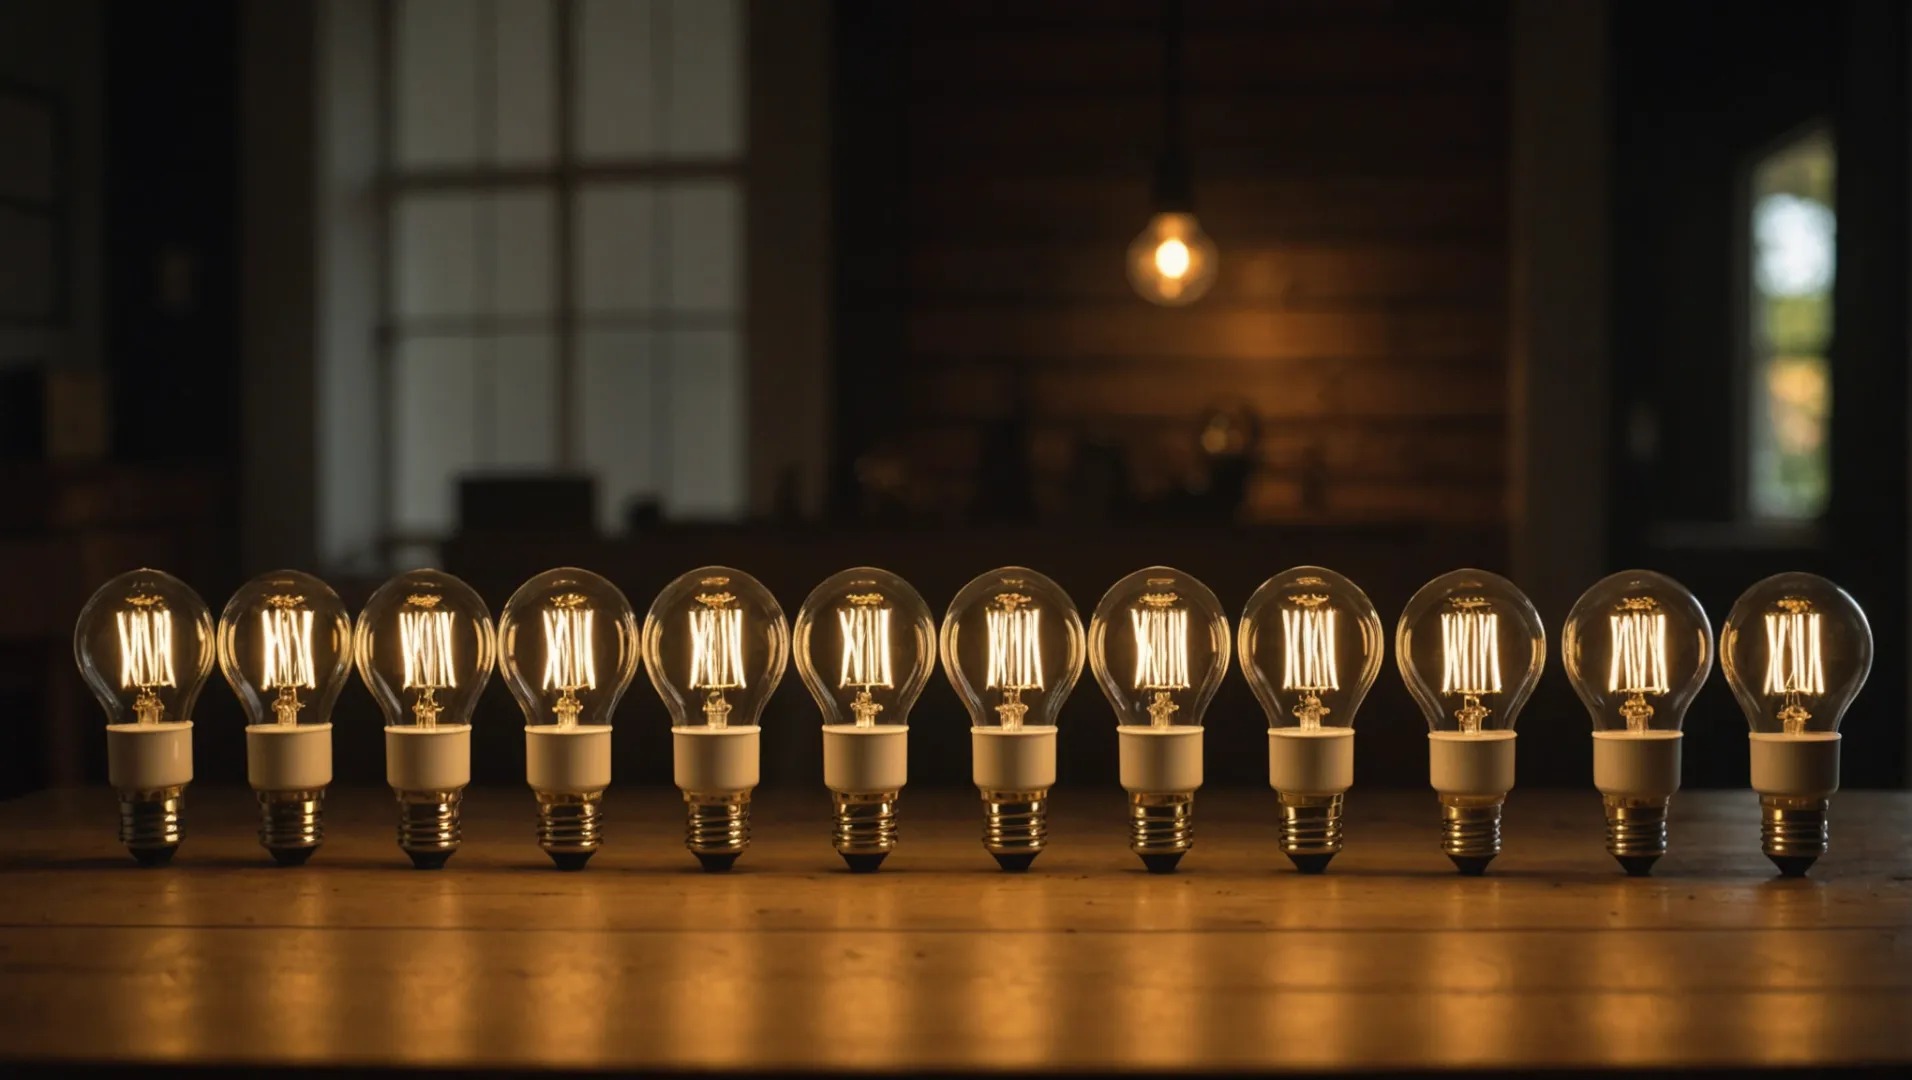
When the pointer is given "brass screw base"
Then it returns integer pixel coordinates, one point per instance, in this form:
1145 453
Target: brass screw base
1015 826
151 823
1636 831
1470 830
865 830
291 824
1310 830
430 826
1792 832
570 826
1161 827
718 827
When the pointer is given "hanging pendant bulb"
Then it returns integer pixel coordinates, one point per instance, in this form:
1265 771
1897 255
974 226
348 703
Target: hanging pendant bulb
1172 261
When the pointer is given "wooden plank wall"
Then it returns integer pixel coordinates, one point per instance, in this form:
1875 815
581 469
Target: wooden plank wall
1350 160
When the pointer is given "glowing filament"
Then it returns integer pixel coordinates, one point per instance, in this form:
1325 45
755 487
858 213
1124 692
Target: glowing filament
1015 655
146 658
286 634
1795 667
1639 653
1308 660
570 664
1161 648
716 654
865 626
1470 661
1172 258
425 640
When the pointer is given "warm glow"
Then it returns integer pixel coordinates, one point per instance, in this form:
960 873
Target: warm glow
866 645
1795 667
1161 647
1639 653
1015 654
1470 661
287 636
1172 258
569 663
1308 663
146 648
425 638
717 649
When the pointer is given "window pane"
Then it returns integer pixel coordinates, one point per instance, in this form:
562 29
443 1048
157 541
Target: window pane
437 81
616 104
434 430
522 253
523 94
615 412
705 246
706 404
1793 231
705 116
437 237
614 246
523 406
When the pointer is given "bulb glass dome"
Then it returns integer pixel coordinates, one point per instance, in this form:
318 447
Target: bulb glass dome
1796 650
1172 261
285 645
424 646
865 646
715 644
1159 645
1471 649
1311 645
1012 646
144 644
568 648
1637 647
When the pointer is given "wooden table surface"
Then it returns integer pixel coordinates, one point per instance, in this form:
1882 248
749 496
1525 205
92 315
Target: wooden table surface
1389 960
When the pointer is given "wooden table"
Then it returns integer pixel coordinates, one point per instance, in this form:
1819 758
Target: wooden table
1389 960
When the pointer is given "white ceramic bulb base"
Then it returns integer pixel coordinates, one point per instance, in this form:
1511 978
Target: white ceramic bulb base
865 769
1161 768
1795 776
1311 772
568 769
428 769
1636 774
150 765
1014 771
716 768
289 767
1472 774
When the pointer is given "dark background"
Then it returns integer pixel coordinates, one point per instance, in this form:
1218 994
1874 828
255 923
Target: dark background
1415 207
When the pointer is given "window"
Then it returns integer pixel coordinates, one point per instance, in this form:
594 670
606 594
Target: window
563 207
1793 229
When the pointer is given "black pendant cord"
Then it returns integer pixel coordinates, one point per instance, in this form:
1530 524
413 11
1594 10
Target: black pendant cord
1173 192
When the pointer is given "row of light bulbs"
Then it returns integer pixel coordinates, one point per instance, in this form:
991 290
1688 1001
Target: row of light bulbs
1637 647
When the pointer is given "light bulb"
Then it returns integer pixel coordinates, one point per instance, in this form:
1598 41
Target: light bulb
1637 647
865 646
285 645
715 644
1012 648
568 649
1796 650
1471 648
1158 643
144 644
1172 261
424 646
1311 645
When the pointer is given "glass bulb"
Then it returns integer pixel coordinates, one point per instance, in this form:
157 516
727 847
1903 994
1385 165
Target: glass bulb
1159 645
1471 649
285 645
568 648
1637 648
145 645
1796 650
1012 647
1172 261
715 644
424 646
865 646
1311 646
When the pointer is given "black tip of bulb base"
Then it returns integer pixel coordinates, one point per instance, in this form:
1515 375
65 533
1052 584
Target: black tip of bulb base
1471 865
864 863
716 864
292 856
1163 863
1311 864
1793 866
1014 862
429 860
1637 865
570 860
153 856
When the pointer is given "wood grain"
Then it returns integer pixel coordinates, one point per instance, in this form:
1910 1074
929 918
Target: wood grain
940 961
